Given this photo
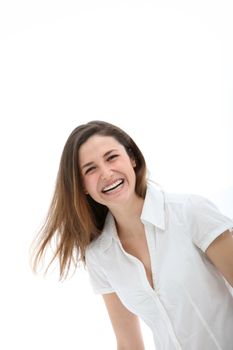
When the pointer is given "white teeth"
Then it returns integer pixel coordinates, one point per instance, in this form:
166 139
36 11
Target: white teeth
110 187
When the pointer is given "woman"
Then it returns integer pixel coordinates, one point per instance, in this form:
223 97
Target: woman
165 258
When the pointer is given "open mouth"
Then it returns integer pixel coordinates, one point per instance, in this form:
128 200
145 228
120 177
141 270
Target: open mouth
113 186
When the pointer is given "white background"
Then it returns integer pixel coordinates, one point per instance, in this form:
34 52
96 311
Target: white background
161 70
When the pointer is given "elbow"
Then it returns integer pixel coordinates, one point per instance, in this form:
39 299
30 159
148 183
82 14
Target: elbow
230 280
228 275
130 347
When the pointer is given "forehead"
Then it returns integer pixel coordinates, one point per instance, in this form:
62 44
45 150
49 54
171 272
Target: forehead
98 145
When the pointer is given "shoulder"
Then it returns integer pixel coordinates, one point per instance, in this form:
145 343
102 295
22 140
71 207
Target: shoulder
192 208
93 250
96 248
181 203
200 205
188 201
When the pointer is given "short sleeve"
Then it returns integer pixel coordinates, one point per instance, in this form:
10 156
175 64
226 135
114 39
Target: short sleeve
97 277
205 221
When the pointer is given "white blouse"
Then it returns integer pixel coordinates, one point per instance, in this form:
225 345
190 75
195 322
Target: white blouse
191 307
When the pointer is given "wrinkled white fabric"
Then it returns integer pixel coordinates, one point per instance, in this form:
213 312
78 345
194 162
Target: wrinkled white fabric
191 307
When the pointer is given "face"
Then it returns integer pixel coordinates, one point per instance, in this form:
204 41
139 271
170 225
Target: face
107 171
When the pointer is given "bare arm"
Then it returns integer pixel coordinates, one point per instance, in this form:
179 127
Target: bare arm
220 252
125 324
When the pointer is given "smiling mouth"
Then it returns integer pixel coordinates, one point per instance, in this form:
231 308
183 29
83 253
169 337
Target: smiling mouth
112 187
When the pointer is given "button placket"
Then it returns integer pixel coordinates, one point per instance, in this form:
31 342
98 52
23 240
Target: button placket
150 237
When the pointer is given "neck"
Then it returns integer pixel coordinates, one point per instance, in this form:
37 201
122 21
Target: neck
127 217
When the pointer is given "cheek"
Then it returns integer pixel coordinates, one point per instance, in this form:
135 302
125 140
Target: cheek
90 183
86 183
132 171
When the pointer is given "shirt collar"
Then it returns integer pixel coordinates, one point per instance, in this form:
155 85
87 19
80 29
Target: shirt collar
152 212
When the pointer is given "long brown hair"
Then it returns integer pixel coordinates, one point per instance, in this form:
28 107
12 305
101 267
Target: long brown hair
74 219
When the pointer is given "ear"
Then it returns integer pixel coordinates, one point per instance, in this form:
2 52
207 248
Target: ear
133 162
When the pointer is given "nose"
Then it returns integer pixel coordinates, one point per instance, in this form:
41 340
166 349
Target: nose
106 173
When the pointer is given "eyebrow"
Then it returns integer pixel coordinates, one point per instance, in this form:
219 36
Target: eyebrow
105 155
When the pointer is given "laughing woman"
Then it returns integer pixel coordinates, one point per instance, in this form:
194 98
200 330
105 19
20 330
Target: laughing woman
165 258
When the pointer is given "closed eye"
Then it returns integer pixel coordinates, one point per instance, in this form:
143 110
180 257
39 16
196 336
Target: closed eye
113 156
89 170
